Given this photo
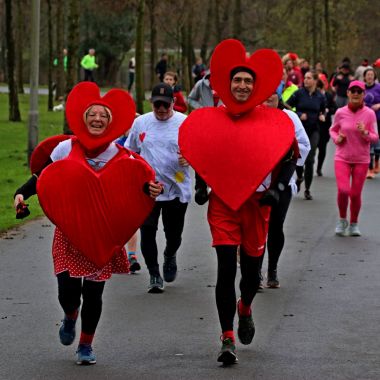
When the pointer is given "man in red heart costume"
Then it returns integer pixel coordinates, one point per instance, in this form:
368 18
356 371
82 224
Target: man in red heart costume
244 152
92 190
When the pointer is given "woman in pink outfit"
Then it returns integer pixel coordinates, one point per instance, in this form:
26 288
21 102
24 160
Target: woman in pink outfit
353 131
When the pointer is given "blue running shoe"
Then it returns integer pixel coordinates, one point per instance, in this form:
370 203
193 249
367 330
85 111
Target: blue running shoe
67 331
85 355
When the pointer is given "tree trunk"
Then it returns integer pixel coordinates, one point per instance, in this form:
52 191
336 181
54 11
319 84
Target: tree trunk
206 33
314 32
218 31
73 53
59 70
237 29
14 111
330 65
140 91
51 58
153 41
334 35
20 50
34 76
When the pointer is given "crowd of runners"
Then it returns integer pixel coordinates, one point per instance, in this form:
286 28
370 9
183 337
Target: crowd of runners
268 116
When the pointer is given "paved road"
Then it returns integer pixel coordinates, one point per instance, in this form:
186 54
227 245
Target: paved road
322 324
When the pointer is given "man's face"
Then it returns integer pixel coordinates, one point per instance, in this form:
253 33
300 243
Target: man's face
242 86
162 110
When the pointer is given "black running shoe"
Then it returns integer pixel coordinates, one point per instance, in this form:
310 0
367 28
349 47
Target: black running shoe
246 327
272 279
170 268
156 284
227 354
134 265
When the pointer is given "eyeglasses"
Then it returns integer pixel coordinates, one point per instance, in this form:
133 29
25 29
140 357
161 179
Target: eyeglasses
160 103
247 81
358 91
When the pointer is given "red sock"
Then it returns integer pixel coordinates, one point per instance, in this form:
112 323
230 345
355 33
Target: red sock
229 334
86 338
244 310
73 315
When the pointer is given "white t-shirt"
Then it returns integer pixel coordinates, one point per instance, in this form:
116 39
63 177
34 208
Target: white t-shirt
157 142
63 149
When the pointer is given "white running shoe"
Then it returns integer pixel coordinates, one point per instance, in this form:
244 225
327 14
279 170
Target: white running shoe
353 230
341 227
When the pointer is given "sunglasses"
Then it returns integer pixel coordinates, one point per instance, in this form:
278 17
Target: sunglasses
358 91
160 103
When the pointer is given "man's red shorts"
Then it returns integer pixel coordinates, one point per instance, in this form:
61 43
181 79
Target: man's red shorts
247 226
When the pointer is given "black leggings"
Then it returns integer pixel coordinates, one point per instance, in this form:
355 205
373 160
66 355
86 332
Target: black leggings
309 163
225 284
70 290
276 237
173 220
324 137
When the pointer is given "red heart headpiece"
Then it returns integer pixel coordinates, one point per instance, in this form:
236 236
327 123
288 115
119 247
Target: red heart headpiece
86 94
265 63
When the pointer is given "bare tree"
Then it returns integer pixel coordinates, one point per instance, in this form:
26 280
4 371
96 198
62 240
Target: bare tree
72 55
14 111
237 29
51 58
60 68
152 6
20 42
140 93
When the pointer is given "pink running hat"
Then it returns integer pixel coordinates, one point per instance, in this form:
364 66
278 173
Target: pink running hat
357 83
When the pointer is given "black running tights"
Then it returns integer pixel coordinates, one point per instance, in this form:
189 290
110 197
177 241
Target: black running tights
70 290
225 284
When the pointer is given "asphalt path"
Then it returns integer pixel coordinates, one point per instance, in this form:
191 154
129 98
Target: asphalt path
323 323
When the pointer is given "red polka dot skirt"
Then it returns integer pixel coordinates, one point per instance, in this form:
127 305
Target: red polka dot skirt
68 258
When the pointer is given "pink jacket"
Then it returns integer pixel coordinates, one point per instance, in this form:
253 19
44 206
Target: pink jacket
355 148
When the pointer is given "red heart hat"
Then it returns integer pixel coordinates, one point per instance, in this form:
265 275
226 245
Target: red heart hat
265 63
86 94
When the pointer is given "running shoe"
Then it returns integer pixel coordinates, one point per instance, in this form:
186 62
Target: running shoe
156 284
308 195
85 355
170 268
227 354
134 265
261 282
341 227
246 327
67 331
272 279
353 230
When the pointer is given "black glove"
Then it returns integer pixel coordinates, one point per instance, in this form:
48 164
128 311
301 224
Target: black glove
270 198
201 196
22 211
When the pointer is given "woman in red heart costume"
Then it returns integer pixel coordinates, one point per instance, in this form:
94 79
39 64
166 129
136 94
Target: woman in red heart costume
238 149
88 187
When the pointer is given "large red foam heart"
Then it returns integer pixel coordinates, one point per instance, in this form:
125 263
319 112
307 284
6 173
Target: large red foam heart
42 152
234 155
98 211
85 94
265 63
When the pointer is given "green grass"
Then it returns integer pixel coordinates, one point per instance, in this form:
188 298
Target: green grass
14 170
13 154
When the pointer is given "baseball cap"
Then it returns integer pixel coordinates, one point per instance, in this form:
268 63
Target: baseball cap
357 83
162 92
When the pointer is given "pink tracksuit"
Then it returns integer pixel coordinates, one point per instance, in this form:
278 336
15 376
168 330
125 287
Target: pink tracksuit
352 156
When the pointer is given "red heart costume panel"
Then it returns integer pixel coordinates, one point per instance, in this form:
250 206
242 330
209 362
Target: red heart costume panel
42 152
98 211
234 155
265 63
85 94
